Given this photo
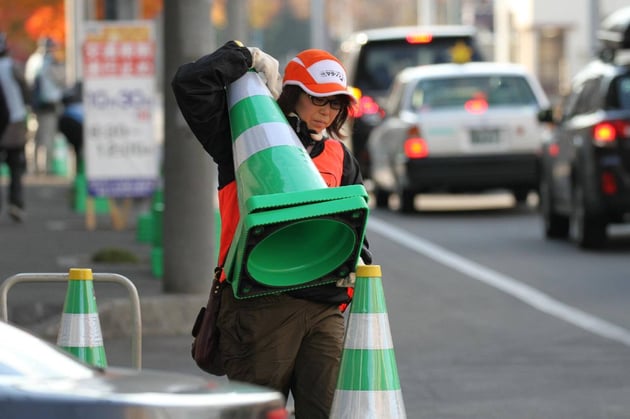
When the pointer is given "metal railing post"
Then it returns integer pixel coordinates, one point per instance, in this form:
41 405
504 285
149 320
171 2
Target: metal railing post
136 341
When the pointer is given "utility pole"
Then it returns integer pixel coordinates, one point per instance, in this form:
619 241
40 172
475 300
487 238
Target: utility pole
75 16
425 12
238 15
594 26
502 31
189 181
318 25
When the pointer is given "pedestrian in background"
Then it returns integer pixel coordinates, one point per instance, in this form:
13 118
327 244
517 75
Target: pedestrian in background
44 76
290 341
71 122
13 139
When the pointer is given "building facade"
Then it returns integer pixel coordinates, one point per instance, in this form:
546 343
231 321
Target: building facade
553 38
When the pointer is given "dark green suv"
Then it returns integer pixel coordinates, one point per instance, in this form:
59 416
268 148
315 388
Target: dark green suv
585 179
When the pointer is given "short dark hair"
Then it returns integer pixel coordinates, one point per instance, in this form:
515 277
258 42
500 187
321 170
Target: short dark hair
290 96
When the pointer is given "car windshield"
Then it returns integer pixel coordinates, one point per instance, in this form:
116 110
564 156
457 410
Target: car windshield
456 92
619 94
381 61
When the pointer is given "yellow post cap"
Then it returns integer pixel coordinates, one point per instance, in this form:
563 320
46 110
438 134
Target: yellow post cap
80 274
369 271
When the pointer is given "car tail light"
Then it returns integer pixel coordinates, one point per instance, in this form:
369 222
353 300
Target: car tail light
415 146
419 38
608 183
553 150
606 133
279 413
476 106
366 105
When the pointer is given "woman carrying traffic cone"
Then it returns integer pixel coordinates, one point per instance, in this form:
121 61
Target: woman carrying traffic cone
290 341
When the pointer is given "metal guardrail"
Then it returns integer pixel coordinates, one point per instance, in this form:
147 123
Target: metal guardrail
136 339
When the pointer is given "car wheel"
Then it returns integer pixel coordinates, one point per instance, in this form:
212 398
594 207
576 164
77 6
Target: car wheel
587 230
556 225
381 197
407 199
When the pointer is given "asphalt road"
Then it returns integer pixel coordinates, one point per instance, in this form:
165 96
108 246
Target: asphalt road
488 319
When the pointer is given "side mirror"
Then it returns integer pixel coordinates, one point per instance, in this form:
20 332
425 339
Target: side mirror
546 115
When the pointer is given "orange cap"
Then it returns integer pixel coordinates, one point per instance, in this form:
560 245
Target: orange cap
318 73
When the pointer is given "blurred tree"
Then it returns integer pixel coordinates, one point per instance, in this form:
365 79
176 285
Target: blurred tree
262 12
14 18
218 14
48 21
150 8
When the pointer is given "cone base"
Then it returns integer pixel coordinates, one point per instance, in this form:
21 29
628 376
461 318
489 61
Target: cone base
368 405
285 260
93 356
281 261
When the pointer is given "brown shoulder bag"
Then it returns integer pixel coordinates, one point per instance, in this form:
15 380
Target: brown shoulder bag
205 345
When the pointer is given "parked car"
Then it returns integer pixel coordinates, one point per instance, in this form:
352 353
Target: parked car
585 182
458 128
38 380
373 58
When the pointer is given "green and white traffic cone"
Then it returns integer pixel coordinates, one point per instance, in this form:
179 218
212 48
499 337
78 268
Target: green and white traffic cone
59 164
368 386
80 329
157 219
294 231
4 170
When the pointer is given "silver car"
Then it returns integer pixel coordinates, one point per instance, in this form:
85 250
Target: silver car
458 128
38 380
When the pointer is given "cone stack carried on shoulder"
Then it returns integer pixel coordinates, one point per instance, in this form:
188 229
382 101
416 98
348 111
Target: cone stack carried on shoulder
368 386
294 230
80 329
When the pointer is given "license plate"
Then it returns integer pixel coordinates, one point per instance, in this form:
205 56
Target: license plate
484 136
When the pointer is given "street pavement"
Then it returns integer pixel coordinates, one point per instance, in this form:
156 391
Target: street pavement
53 239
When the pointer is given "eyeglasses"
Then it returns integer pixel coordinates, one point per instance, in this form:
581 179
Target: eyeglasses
335 103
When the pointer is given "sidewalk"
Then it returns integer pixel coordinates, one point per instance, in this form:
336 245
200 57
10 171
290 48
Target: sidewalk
54 239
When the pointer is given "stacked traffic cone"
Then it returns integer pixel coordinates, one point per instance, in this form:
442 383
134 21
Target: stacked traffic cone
368 386
294 231
80 329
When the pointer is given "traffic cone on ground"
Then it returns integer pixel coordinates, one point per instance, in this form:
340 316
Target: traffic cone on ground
368 386
157 219
59 164
80 329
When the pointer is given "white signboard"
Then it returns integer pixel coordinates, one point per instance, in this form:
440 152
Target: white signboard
121 150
